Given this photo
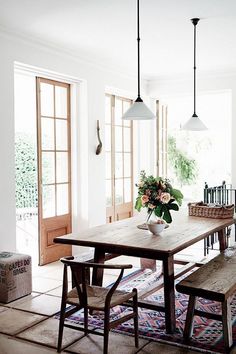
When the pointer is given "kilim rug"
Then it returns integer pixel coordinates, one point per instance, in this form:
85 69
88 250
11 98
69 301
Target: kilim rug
207 336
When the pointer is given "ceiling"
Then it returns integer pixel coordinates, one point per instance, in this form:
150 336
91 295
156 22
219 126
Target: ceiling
104 32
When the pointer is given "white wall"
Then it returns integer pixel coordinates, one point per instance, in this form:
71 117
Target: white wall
91 108
167 87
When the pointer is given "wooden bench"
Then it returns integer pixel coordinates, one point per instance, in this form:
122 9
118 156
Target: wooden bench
215 280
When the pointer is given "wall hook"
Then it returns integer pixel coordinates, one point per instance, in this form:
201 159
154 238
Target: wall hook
99 147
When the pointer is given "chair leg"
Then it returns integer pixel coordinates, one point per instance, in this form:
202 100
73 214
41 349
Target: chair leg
135 309
106 330
86 320
205 248
188 328
61 326
212 241
208 244
227 323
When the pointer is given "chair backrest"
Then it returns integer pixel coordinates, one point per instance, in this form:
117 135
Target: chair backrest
223 194
80 271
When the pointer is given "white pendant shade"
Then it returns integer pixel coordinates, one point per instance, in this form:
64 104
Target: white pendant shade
194 123
138 111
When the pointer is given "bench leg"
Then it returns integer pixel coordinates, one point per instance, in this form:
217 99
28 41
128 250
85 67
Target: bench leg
188 329
227 323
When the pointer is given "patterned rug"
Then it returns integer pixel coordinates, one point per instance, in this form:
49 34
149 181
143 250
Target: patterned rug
207 336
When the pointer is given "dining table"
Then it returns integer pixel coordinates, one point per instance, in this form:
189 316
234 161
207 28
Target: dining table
125 238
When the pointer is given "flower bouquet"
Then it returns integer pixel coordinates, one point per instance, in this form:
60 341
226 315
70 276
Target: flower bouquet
158 196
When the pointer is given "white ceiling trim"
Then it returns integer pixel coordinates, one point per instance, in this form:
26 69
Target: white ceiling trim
38 43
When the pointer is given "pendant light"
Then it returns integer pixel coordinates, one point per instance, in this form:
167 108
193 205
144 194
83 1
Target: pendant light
194 123
138 110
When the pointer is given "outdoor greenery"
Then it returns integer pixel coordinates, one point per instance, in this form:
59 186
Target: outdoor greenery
25 171
184 168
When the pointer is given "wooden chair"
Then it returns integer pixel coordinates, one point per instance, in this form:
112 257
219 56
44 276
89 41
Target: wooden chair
90 297
215 280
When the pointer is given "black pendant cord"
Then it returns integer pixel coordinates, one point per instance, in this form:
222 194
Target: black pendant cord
195 22
139 99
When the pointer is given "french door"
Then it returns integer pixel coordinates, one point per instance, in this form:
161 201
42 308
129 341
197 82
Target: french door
119 159
54 167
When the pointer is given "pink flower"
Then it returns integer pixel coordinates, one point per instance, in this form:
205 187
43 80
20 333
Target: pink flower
144 199
159 193
165 197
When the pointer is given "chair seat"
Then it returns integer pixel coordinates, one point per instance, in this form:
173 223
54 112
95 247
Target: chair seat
96 297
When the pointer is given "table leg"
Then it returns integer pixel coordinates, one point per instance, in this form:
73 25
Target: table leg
169 294
99 257
222 239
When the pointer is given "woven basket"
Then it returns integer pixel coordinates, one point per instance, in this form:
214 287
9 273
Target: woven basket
208 211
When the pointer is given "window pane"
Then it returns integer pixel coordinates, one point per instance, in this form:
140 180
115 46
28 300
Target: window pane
47 133
126 106
61 135
62 167
48 200
127 165
107 137
48 167
127 140
127 190
119 191
118 139
108 165
108 110
118 165
108 193
62 199
118 111
47 102
61 101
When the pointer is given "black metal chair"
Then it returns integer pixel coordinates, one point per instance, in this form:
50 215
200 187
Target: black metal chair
223 194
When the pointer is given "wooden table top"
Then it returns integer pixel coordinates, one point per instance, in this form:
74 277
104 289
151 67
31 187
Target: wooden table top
123 237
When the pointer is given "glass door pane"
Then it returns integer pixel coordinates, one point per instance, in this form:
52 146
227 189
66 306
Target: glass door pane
62 199
49 201
61 101
47 99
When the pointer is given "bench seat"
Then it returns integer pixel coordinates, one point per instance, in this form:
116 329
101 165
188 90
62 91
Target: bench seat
215 280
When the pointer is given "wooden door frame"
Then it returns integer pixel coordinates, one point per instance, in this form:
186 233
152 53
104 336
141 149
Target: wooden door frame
113 207
39 80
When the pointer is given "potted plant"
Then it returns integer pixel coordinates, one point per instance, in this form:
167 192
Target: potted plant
158 196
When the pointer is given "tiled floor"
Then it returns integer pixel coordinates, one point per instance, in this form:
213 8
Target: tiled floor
27 325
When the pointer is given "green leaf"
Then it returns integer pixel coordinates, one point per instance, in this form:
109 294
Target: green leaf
173 206
167 216
158 210
177 195
138 204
